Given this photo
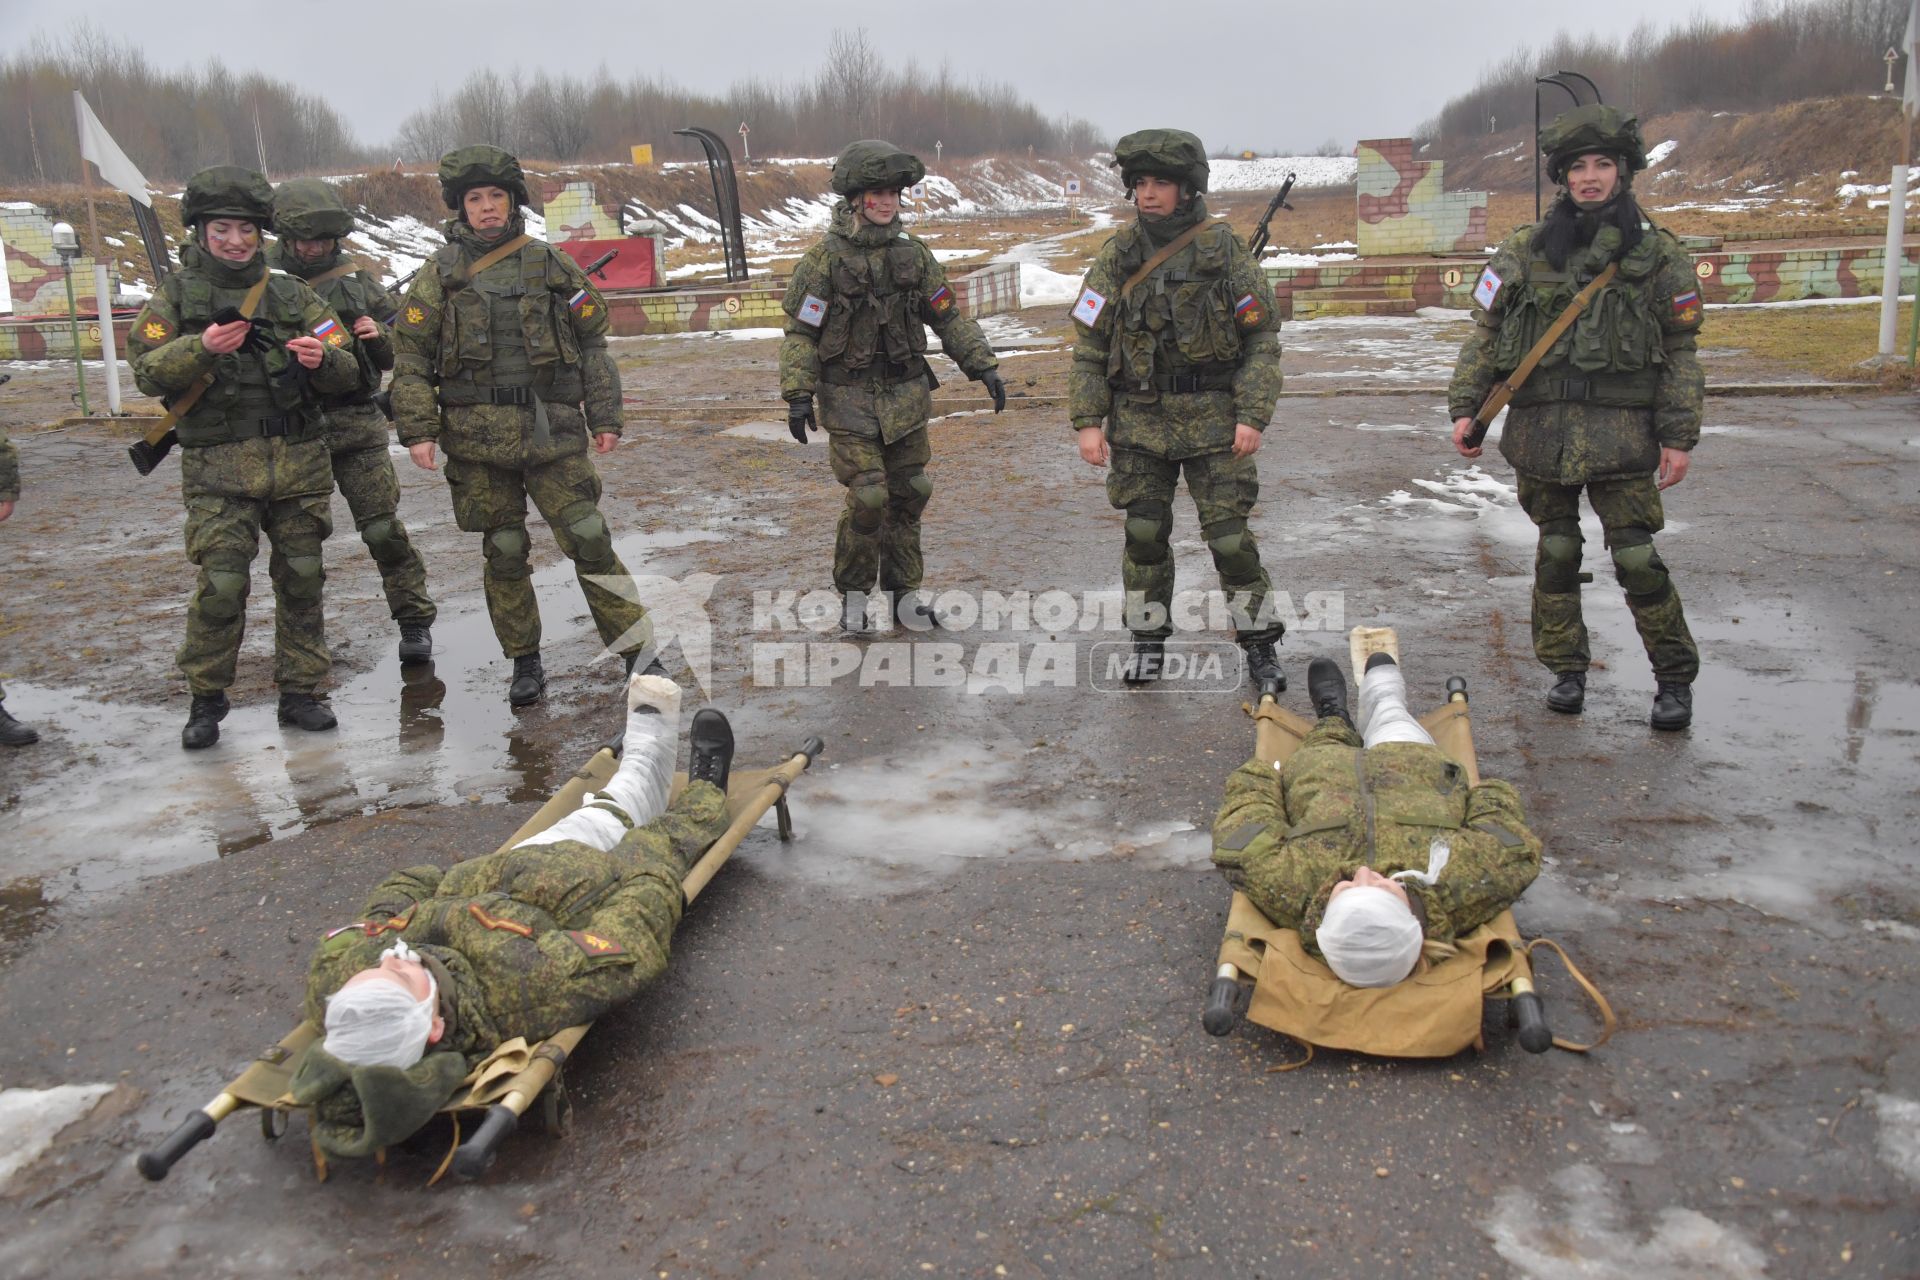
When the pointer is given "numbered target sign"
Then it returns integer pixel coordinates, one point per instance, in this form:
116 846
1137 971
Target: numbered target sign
1704 270
1452 277
920 191
1073 186
731 306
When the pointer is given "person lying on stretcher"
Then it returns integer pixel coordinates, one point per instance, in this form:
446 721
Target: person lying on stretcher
1372 847
444 966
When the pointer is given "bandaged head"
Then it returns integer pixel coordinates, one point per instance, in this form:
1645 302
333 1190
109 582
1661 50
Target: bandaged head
380 1023
1369 937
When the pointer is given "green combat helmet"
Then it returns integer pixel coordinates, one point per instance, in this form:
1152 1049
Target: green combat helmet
309 209
1173 154
227 191
464 168
1586 130
875 165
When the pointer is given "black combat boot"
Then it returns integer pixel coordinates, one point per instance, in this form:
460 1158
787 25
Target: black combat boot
1327 689
15 734
1672 705
1144 663
304 711
1263 665
416 642
529 680
711 738
853 612
203 720
1569 692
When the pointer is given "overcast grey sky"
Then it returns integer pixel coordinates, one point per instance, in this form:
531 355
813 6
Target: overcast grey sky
1248 74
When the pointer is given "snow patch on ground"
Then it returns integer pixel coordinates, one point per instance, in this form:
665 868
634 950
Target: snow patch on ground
1040 287
1660 152
1588 1234
1899 1139
405 242
1268 172
30 1119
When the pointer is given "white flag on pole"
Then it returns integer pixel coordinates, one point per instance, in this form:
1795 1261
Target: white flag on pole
97 145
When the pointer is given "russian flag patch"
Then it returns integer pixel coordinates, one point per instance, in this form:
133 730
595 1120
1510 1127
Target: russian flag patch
942 301
329 332
1249 313
577 301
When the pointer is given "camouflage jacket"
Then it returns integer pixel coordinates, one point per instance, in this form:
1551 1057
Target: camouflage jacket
1338 807
167 356
1622 383
9 470
1205 315
859 302
526 941
352 294
444 368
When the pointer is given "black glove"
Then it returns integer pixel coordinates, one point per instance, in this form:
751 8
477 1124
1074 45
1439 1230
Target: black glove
800 418
255 342
995 388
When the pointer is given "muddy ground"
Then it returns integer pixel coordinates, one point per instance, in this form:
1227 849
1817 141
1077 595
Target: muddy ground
953 1029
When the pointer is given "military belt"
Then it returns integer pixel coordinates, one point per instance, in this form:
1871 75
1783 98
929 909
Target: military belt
1632 391
879 371
286 424
451 395
1180 384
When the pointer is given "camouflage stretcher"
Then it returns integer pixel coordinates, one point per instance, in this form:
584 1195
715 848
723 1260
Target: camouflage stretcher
1436 1012
516 1074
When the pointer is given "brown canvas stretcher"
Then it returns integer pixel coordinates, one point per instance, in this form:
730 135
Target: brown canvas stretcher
1434 1013
516 1074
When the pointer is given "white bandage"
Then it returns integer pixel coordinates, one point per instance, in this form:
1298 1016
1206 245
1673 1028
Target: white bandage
1383 709
639 787
1369 937
380 1024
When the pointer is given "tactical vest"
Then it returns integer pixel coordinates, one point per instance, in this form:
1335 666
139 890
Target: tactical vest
1610 356
253 394
352 297
873 327
509 330
1175 330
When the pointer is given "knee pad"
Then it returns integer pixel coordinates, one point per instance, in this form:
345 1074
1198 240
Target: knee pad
1235 553
920 492
587 529
506 550
1149 532
1557 564
867 500
304 579
386 538
223 593
1637 565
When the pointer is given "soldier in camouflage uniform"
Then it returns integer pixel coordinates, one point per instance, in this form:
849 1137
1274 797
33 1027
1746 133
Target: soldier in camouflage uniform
1614 407
253 447
526 941
1183 365
507 369
12 732
1387 812
309 220
855 338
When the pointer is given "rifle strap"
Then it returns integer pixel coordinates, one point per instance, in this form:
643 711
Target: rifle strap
492 256
191 396
346 268
1531 361
1154 263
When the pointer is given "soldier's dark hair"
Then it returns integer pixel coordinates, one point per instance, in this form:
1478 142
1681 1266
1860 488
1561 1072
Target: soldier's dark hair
1568 228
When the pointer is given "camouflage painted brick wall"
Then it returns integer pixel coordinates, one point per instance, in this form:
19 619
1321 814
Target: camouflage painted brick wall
33 268
1403 207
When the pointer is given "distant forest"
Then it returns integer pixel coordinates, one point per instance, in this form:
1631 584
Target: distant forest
174 122
1783 51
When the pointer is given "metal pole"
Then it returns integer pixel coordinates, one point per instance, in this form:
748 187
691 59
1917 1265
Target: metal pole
73 325
109 348
1896 260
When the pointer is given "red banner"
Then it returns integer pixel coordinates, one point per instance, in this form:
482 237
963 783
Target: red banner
633 268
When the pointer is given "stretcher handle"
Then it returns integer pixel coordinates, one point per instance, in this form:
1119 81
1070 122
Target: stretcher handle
195 1129
1456 688
1272 688
1530 1016
476 1153
1223 998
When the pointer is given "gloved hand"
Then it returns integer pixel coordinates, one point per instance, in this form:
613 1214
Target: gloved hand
800 418
995 388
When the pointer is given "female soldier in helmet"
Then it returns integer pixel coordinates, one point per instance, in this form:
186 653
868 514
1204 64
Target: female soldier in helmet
1613 406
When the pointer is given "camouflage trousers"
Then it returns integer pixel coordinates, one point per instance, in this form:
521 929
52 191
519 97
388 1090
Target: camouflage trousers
1630 513
366 480
1224 489
877 443
492 501
233 493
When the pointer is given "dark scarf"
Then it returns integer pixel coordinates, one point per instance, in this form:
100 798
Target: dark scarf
850 226
283 257
1163 229
1568 228
222 273
458 232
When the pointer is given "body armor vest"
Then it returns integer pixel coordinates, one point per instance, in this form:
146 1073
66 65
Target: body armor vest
873 324
1178 322
1611 355
253 394
510 327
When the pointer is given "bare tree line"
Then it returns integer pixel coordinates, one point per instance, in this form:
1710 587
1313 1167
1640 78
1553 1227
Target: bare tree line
855 94
1784 51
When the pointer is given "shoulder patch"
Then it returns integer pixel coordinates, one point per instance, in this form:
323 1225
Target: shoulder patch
582 304
412 317
813 311
1488 289
595 945
1087 310
1686 307
155 328
1248 312
941 302
330 332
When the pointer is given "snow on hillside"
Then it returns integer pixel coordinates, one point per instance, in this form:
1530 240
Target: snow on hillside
1268 172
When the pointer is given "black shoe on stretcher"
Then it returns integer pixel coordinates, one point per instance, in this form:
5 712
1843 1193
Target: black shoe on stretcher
1327 688
711 738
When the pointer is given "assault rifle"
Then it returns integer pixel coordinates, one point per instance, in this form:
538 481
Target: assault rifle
1278 203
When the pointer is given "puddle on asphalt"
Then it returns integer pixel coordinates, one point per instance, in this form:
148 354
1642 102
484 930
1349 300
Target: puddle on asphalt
439 733
772 433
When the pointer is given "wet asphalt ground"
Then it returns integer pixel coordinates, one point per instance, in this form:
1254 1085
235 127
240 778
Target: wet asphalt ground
953 1029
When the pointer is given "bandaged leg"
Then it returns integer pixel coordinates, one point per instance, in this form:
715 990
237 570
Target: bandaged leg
1383 708
637 792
